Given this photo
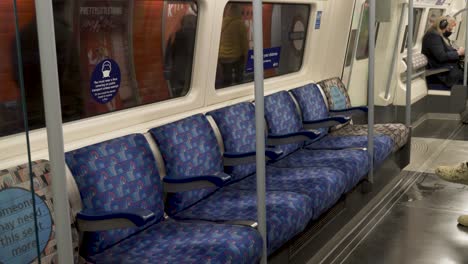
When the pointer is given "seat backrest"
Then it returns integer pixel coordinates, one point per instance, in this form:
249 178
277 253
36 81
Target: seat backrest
337 95
115 175
189 148
312 103
237 126
419 61
282 118
15 192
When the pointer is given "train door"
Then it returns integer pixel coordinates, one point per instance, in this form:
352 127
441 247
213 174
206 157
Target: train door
356 63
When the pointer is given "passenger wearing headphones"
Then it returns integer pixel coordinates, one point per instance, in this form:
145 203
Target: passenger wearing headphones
441 53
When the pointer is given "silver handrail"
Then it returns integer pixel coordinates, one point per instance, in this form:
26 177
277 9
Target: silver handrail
53 114
465 81
370 92
409 70
259 122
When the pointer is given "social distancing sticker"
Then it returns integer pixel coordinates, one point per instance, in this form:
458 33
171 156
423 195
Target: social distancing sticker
18 226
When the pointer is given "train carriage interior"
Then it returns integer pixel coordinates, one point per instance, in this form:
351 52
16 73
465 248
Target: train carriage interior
151 131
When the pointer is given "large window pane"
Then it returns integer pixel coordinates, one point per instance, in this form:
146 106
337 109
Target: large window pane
284 36
112 55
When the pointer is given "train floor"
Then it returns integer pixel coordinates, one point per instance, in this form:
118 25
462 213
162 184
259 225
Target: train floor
421 226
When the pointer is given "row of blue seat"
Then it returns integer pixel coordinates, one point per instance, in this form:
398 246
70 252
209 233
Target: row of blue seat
210 182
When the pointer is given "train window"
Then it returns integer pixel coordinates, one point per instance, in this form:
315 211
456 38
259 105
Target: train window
284 36
434 13
363 40
416 23
112 55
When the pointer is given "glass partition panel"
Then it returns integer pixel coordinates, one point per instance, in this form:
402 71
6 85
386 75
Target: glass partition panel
417 12
26 211
363 40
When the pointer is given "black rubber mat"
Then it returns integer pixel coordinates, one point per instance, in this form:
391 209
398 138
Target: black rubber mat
462 134
434 128
420 228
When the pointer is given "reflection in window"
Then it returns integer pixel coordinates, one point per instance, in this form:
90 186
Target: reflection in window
416 23
434 13
284 35
111 55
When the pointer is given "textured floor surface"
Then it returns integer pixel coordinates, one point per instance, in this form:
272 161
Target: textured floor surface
421 228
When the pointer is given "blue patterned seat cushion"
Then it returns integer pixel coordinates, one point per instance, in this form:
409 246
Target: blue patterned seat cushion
189 148
237 127
176 242
288 213
312 104
324 186
354 163
114 175
383 145
282 118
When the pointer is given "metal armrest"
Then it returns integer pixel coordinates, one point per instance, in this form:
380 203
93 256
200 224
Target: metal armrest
298 137
248 223
327 122
233 159
190 183
350 111
436 71
89 221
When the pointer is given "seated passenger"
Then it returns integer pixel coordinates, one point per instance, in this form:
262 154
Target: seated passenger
455 174
441 53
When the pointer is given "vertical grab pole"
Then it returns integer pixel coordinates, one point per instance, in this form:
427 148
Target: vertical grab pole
53 114
465 81
409 62
260 121
370 89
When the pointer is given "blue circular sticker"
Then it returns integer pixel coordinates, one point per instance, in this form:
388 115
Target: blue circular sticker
17 227
105 81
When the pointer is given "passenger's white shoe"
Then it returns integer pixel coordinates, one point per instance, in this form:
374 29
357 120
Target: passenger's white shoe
455 174
463 220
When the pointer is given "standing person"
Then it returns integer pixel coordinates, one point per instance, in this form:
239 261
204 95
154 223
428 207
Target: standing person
234 45
456 174
441 53
179 56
